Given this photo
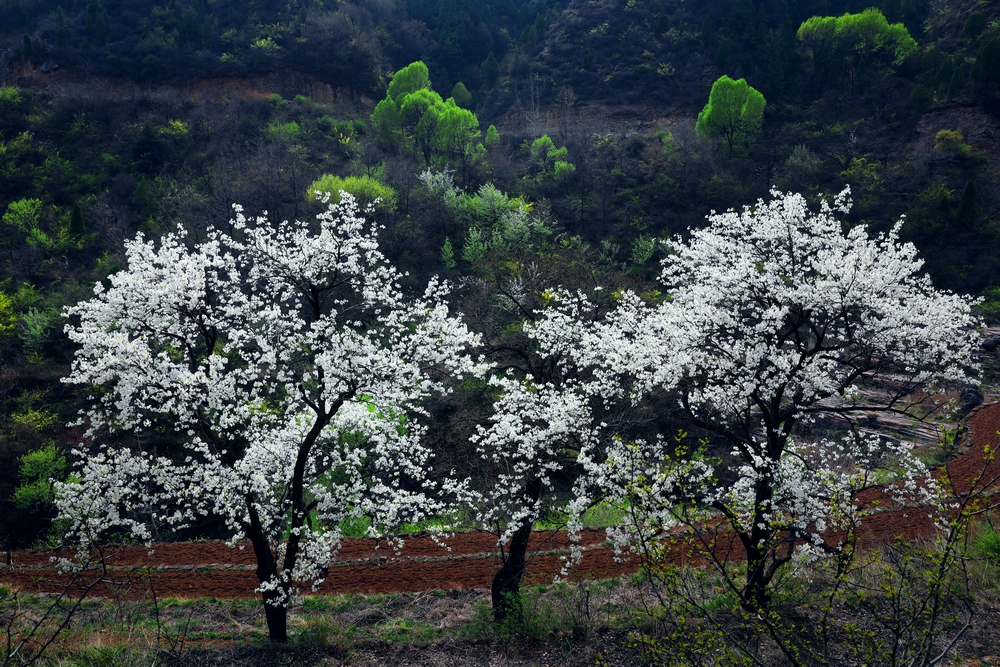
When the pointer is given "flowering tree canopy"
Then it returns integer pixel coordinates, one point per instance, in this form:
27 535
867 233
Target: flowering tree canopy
292 366
775 316
529 440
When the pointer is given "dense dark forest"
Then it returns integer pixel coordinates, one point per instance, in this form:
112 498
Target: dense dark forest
118 117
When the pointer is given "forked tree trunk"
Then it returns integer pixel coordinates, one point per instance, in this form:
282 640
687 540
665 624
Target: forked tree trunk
506 589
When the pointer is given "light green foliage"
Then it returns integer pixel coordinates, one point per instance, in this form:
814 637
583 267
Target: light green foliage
502 227
23 214
492 136
26 296
988 545
366 190
410 79
544 151
448 254
862 41
642 250
8 318
734 113
38 468
175 129
421 110
414 117
387 121
951 141
415 105
456 132
35 327
549 160
562 170
989 307
497 225
10 94
284 132
667 140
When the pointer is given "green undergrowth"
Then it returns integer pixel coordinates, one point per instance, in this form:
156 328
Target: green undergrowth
133 632
621 620
601 515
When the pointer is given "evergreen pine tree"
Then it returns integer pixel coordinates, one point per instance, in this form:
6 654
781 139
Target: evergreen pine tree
76 224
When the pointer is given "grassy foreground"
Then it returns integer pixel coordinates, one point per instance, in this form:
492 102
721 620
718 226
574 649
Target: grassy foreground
564 624
611 622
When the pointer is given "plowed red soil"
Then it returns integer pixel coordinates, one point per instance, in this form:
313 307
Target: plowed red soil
213 569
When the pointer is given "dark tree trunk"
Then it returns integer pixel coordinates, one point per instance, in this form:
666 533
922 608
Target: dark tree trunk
506 589
755 596
276 616
275 609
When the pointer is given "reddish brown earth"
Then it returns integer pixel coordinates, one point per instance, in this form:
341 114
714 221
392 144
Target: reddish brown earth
213 569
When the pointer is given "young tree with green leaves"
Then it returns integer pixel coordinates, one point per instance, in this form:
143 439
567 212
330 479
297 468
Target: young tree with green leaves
866 42
734 113
415 118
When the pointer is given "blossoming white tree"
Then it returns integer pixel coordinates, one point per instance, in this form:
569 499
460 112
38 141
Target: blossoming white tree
535 427
292 366
775 316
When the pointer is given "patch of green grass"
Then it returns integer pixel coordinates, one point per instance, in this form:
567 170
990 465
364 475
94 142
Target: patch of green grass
988 545
317 603
406 630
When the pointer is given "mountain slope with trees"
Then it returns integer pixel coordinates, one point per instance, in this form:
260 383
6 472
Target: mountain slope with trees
106 130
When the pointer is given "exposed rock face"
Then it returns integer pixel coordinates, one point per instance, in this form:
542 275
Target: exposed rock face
971 398
49 66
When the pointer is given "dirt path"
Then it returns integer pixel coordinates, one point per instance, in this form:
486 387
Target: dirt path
213 569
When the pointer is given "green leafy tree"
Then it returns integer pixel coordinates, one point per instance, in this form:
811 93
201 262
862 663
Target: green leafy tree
974 25
8 318
448 254
455 135
23 214
461 95
420 112
410 79
489 71
366 191
492 136
415 118
36 325
38 469
734 113
550 161
387 121
866 42
987 67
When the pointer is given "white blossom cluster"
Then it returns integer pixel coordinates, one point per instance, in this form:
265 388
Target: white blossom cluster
772 316
293 367
534 432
